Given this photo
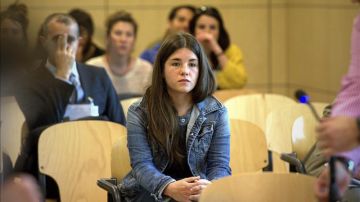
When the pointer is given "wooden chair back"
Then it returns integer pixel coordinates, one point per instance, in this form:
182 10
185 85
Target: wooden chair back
120 159
12 120
126 103
223 95
248 150
77 154
261 187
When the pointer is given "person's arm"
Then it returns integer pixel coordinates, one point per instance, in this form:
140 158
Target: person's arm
218 156
233 74
147 175
43 99
322 184
338 134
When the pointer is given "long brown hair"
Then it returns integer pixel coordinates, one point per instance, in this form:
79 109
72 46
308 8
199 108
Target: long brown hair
162 115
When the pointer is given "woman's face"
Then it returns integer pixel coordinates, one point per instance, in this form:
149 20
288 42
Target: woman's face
181 71
181 20
207 24
121 39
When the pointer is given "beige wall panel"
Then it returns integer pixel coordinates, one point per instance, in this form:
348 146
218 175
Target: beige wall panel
277 2
259 88
5 3
55 4
99 17
281 89
248 28
321 2
319 44
279 72
36 18
177 2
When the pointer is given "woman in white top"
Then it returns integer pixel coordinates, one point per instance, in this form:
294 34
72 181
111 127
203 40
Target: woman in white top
129 75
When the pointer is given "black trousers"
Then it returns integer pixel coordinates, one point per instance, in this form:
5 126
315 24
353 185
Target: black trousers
27 162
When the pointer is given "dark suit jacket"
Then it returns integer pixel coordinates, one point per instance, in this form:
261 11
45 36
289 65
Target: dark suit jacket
44 98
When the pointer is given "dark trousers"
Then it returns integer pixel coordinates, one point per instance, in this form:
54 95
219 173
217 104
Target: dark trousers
27 162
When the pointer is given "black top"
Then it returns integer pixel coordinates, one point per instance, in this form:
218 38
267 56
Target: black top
180 170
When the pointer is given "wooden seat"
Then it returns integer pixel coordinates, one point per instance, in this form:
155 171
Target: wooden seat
126 103
292 129
223 95
120 159
76 154
247 107
276 101
12 120
261 187
256 108
248 150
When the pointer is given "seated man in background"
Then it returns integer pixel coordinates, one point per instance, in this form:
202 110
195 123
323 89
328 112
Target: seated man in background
54 91
60 81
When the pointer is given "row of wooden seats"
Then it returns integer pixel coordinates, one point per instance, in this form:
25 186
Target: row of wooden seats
242 153
288 126
246 109
88 150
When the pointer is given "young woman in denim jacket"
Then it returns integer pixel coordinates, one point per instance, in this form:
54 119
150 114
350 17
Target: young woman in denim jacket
178 135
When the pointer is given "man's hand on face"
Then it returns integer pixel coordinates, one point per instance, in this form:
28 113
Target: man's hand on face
64 57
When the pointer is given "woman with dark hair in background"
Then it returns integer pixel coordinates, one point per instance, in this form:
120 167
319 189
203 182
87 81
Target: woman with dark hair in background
178 21
178 134
86 48
14 46
129 75
226 58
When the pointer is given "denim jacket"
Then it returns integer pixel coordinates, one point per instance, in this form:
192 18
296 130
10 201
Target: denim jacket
207 144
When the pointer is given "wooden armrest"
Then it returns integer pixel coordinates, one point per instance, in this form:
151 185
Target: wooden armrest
291 158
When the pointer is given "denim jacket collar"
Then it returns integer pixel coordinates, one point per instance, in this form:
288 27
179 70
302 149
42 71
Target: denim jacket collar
201 109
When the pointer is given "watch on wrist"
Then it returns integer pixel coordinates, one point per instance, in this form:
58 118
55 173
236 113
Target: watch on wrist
349 164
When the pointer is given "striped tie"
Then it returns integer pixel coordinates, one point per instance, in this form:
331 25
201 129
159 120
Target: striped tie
74 96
